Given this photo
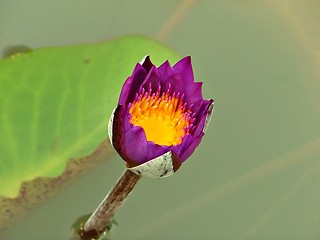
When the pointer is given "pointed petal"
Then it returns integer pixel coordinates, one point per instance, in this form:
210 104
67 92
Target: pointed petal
175 83
165 71
132 84
151 80
184 68
146 63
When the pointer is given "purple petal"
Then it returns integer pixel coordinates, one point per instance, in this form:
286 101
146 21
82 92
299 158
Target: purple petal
175 83
135 145
191 148
155 150
132 84
147 64
191 141
201 108
122 133
165 71
194 92
126 89
200 125
118 130
184 68
151 81
184 151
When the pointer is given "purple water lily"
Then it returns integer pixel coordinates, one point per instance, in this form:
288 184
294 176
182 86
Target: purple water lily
160 119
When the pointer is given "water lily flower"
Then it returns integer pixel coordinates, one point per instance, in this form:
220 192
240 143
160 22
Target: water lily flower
160 119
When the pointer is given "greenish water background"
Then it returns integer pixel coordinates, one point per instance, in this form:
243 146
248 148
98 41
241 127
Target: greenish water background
255 175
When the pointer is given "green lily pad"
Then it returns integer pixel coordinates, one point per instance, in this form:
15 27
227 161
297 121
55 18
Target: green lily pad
54 107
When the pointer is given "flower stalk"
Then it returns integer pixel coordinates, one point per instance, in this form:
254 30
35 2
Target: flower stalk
102 216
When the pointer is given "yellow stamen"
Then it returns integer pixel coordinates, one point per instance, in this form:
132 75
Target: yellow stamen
164 118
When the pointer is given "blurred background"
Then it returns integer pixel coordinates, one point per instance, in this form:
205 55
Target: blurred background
256 173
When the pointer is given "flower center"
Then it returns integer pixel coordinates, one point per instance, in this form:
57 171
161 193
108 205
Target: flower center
165 119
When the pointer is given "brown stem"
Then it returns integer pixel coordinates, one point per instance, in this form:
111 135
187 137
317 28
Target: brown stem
103 215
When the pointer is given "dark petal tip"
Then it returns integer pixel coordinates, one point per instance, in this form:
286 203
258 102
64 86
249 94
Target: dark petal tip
146 63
